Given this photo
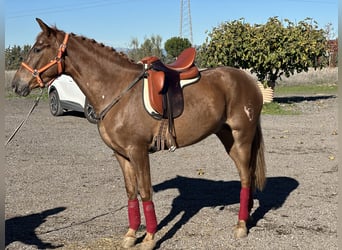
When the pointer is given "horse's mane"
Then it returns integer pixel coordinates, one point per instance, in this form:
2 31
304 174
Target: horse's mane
108 51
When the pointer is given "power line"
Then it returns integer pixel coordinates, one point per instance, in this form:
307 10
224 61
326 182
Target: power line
63 8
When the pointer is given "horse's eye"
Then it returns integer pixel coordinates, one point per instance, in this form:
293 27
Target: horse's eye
36 50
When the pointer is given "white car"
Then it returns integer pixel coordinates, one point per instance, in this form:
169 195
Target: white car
65 95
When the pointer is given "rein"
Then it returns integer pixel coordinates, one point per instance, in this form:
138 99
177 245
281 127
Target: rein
36 73
117 99
57 60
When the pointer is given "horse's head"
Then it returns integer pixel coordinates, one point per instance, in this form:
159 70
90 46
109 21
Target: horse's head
43 63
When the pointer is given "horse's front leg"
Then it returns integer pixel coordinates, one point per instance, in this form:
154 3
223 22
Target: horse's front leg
136 171
131 185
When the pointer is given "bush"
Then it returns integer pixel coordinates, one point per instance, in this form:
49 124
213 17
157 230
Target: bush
270 50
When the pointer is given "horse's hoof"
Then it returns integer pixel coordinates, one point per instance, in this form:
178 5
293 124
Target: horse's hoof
147 245
128 242
240 230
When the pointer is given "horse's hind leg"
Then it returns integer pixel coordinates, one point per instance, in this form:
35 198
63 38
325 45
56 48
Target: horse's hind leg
238 145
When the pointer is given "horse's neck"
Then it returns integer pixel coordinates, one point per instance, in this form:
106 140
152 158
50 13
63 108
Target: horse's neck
100 73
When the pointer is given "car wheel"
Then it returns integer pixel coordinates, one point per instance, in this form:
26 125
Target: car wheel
89 112
55 104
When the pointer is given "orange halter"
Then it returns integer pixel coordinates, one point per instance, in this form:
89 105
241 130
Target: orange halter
57 60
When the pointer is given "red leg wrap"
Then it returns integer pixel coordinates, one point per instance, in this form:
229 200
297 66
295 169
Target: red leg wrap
244 202
150 217
134 214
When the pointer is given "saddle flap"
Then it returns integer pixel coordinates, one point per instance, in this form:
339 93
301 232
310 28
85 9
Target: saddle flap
155 87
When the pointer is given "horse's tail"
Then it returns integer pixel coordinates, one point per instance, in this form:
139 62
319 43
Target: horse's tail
258 160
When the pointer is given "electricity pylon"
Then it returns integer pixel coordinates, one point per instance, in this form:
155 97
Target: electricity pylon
185 30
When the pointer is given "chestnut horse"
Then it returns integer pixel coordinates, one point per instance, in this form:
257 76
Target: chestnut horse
225 101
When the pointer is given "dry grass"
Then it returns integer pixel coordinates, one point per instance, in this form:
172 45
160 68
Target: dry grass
325 76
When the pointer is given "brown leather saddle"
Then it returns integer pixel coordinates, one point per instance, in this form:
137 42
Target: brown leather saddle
164 89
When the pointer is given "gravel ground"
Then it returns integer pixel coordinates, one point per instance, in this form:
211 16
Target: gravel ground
65 189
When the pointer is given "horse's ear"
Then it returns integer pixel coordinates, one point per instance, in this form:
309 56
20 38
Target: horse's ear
45 28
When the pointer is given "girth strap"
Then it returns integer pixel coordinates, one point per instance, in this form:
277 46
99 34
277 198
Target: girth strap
161 141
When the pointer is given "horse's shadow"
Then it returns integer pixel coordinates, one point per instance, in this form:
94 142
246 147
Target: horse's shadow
22 228
196 193
298 98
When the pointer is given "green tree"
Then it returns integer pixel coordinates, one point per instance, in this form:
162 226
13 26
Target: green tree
175 45
151 47
270 50
15 55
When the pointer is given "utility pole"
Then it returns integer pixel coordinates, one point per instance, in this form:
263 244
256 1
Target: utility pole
185 30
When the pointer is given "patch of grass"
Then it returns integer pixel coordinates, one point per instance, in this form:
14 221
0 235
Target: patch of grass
275 108
305 89
33 95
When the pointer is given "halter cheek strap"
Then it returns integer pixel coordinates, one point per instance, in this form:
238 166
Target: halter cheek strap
57 60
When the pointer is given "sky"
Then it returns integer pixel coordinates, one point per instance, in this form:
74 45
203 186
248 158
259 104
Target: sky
116 22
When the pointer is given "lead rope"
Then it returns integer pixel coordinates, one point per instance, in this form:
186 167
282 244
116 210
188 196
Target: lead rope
26 118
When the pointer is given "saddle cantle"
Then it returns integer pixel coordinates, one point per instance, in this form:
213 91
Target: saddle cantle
163 95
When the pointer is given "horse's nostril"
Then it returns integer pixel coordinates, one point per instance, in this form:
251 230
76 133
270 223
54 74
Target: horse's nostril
20 88
14 87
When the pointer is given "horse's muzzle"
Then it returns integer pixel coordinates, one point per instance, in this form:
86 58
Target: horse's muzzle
20 87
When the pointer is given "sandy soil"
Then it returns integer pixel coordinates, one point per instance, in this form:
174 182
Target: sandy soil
65 189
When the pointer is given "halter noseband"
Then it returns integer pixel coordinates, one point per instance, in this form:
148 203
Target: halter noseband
57 60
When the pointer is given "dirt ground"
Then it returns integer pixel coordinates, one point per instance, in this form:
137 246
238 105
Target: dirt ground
65 189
